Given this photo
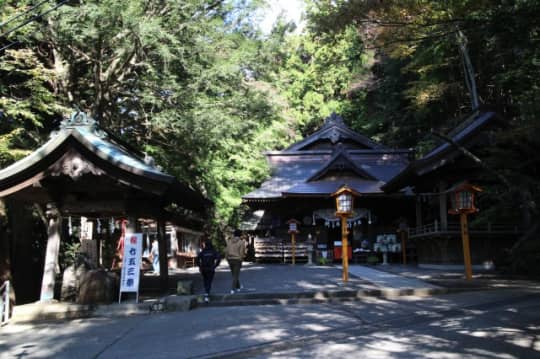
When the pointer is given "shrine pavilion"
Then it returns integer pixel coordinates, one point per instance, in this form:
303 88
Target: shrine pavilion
84 171
303 178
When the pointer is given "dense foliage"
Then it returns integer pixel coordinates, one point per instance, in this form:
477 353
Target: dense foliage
175 79
194 84
424 55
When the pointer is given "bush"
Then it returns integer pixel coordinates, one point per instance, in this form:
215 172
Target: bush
372 260
323 261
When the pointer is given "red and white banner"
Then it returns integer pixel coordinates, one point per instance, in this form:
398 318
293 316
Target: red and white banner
131 263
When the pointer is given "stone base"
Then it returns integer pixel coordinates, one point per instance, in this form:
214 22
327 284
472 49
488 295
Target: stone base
486 266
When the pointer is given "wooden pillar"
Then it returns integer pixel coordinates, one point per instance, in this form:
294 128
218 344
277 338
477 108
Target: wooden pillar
54 228
163 260
403 246
293 247
443 211
466 246
418 212
345 249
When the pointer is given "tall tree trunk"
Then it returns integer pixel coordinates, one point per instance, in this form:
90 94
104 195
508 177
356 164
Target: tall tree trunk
468 69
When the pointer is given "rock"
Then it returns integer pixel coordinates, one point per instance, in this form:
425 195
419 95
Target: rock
184 287
98 287
71 279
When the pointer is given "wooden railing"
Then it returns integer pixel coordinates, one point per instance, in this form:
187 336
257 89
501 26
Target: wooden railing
435 228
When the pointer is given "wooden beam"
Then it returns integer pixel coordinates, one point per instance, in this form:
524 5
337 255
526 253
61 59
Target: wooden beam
22 185
142 207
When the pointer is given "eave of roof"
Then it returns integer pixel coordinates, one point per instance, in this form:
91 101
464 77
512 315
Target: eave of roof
95 148
440 155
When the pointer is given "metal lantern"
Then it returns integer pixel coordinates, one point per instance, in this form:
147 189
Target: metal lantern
462 198
344 201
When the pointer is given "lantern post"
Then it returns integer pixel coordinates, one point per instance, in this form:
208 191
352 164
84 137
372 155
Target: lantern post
293 230
344 209
462 203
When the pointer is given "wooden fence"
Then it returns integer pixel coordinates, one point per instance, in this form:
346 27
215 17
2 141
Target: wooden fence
435 228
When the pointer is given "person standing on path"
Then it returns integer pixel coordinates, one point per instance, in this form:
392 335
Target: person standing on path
207 261
235 253
154 252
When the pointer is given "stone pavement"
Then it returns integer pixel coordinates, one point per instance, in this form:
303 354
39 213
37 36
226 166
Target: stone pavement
388 280
267 284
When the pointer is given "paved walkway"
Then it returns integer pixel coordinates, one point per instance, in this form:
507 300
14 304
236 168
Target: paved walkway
275 284
387 280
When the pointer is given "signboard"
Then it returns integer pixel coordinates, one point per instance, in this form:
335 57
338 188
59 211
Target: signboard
131 264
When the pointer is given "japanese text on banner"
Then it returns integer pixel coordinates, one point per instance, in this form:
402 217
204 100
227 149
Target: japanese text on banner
129 281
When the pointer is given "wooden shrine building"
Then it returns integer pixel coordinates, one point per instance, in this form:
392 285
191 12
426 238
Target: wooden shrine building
303 177
85 171
436 233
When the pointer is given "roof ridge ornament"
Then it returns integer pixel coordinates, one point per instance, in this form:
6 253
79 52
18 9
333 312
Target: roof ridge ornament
334 120
80 119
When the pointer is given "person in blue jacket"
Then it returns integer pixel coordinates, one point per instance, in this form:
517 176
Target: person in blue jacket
207 261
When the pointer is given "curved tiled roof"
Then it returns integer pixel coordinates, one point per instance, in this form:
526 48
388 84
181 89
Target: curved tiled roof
82 134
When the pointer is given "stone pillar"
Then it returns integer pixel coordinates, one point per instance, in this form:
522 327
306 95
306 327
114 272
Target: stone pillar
443 211
54 228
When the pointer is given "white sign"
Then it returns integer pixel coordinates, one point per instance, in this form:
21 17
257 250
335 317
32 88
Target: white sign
131 264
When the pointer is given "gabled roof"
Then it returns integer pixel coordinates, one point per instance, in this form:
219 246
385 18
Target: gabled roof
340 161
335 131
293 171
95 153
465 135
332 156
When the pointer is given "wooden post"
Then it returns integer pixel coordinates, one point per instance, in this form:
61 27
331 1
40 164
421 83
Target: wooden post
466 247
293 242
418 212
403 249
345 248
443 211
51 255
163 262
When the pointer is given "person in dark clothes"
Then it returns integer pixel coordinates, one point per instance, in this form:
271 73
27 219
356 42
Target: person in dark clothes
207 261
